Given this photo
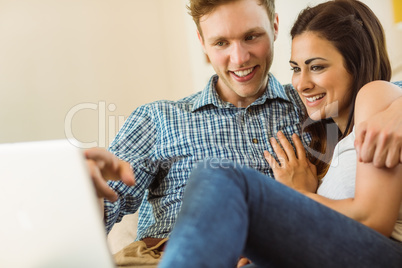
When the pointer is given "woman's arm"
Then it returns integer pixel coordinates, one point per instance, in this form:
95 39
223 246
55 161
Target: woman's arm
378 193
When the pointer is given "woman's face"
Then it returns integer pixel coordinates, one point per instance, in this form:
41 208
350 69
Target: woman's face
321 79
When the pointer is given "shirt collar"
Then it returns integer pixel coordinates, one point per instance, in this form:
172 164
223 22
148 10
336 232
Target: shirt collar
209 96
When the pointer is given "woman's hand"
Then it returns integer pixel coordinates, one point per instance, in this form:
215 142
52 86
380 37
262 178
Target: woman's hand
293 170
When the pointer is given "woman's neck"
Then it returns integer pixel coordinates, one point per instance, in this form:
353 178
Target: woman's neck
342 120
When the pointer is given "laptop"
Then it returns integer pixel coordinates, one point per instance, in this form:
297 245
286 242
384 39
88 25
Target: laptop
50 216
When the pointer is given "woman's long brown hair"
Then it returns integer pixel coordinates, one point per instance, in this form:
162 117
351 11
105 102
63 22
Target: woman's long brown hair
357 34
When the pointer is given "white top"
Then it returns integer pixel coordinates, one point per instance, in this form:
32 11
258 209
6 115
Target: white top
339 182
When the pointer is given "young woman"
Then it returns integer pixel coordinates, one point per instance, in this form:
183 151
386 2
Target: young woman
354 219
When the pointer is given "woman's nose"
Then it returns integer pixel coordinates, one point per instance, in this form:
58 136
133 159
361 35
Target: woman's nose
303 82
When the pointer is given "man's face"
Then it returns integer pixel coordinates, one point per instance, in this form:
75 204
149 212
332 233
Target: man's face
238 38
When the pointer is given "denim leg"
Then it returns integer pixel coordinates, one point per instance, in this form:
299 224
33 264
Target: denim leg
252 265
212 225
232 210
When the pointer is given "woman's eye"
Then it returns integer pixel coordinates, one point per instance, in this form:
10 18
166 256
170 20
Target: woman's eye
316 68
295 69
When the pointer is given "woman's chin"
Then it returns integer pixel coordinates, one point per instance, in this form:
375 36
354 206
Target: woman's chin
321 114
315 115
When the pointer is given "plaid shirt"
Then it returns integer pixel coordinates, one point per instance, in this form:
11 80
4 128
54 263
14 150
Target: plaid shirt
164 139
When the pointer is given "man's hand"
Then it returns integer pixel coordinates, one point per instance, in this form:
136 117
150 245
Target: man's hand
104 166
379 140
242 262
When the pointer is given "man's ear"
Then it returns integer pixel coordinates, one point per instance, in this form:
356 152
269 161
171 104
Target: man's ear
276 26
201 41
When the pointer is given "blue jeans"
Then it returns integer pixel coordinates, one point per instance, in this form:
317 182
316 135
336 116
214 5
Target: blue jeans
229 210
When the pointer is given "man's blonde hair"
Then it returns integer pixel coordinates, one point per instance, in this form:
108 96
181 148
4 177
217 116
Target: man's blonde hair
199 8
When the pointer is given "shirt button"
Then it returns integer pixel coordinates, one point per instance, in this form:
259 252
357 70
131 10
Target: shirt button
255 141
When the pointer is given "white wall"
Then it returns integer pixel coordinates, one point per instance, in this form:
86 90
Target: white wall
80 66
106 56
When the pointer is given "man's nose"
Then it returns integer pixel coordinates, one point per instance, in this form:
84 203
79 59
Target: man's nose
239 54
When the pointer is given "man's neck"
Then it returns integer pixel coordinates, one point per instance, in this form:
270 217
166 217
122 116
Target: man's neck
237 100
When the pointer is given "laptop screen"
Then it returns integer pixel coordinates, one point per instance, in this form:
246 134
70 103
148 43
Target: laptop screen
50 213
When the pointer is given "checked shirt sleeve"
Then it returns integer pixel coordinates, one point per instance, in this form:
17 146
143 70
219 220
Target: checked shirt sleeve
135 143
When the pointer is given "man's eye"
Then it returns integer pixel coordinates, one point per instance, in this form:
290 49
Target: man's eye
220 44
251 37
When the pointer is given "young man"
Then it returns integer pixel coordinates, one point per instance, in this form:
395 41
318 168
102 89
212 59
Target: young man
233 118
